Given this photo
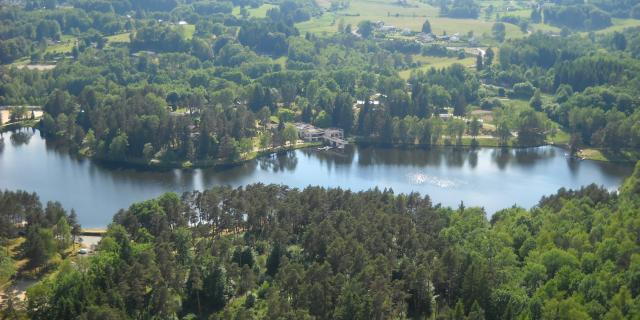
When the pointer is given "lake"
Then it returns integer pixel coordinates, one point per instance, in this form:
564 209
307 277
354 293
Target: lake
490 177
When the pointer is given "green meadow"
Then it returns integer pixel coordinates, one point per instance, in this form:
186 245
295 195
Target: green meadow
66 44
121 38
429 62
410 16
259 12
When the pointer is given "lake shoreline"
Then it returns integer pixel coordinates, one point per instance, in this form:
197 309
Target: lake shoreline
447 174
600 155
188 165
608 155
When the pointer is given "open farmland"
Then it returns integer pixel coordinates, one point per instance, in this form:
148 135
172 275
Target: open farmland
410 16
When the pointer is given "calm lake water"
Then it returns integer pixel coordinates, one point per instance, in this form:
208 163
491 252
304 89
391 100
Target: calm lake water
489 177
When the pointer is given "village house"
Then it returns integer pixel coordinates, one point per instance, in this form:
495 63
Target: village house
311 133
388 29
424 37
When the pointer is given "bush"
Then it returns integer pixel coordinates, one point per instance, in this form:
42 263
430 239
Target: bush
490 103
523 90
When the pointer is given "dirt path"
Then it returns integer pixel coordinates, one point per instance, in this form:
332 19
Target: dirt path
18 289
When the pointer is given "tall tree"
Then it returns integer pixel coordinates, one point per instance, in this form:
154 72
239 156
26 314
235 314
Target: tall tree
426 26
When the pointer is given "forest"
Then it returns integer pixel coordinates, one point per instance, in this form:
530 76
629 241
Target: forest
269 251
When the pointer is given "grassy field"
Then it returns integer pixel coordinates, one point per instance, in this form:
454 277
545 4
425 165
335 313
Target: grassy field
609 155
65 46
411 16
187 30
544 28
259 12
619 25
282 61
438 63
21 62
122 37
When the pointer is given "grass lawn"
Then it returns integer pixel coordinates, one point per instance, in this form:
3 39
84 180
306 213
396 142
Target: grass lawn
21 62
560 137
122 37
282 61
626 155
65 46
438 63
259 12
411 16
187 30
544 28
619 25
522 13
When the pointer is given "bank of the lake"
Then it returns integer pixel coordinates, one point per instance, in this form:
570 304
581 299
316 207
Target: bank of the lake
156 164
608 155
18 125
491 177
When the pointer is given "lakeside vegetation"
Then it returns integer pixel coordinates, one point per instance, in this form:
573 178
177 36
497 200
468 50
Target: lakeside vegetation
215 83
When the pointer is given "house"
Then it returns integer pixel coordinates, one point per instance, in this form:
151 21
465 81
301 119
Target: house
424 37
372 102
182 23
144 53
309 132
334 133
387 29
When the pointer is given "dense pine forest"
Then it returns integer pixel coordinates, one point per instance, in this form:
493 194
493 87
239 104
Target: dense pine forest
269 251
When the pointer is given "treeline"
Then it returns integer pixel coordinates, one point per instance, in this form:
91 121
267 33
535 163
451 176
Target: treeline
29 33
268 251
619 8
592 93
600 116
464 9
581 17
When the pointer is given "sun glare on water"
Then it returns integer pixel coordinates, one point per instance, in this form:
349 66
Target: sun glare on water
421 179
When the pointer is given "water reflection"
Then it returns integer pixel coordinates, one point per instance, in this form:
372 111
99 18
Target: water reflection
20 138
501 156
492 177
473 158
529 156
277 162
